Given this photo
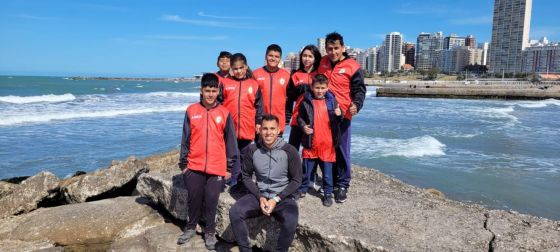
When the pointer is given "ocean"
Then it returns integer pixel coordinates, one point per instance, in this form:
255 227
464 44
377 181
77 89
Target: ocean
498 153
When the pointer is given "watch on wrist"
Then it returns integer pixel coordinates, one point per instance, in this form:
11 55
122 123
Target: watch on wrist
277 199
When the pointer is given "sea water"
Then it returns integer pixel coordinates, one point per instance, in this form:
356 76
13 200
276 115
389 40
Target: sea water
499 153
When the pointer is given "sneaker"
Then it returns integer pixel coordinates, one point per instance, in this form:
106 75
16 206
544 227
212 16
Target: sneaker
186 236
302 195
340 195
298 195
210 241
327 201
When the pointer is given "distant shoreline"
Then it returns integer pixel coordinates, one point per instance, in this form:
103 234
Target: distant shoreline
176 80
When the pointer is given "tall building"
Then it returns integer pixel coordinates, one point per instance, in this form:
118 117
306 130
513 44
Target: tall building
361 58
452 41
393 45
510 35
470 41
321 45
456 59
291 62
372 59
542 58
484 47
428 49
409 51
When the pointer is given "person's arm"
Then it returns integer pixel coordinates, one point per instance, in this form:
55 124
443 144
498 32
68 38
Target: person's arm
358 89
231 143
294 172
291 97
247 170
259 107
185 143
303 117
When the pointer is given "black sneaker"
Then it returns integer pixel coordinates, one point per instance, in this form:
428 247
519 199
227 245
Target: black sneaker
340 195
302 194
327 201
210 241
186 236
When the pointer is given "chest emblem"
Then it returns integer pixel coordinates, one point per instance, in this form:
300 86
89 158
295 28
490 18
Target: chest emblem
282 81
196 117
341 71
219 119
250 90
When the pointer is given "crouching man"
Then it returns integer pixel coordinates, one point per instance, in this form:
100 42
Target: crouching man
277 168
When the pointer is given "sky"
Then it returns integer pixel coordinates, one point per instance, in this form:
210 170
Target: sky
173 38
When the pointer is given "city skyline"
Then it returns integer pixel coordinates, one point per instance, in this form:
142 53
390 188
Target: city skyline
173 38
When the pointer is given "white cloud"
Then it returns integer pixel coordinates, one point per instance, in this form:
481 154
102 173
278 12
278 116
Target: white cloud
221 24
202 14
482 20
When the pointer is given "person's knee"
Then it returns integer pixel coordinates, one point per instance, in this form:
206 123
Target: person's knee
235 213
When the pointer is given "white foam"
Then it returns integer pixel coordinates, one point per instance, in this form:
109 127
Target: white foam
37 99
503 113
538 104
172 94
410 148
38 118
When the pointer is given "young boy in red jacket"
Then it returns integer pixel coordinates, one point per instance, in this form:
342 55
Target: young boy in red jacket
208 152
319 118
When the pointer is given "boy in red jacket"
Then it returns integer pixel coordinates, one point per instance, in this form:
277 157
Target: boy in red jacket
208 152
319 118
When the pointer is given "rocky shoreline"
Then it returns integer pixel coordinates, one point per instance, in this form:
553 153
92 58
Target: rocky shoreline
139 205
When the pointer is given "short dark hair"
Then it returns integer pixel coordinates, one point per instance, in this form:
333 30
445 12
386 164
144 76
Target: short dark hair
274 47
209 80
333 37
224 54
316 53
320 78
270 117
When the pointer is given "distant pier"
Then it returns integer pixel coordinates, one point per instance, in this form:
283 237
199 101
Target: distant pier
515 90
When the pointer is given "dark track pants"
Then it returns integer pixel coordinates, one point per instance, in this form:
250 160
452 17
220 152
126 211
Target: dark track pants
202 187
295 136
236 170
286 212
343 167
310 165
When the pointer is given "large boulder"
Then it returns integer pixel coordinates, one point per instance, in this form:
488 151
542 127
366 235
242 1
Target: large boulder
166 189
519 232
164 163
381 214
6 188
17 246
81 225
104 181
27 195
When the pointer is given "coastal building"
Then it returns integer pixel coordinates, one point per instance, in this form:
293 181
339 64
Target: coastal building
542 58
291 62
484 47
470 41
393 45
510 35
456 59
321 45
372 59
361 58
452 41
428 49
409 51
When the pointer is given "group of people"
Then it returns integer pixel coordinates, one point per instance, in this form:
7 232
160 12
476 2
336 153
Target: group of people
234 135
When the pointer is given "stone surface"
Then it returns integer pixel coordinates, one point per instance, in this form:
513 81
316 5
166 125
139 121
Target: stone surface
6 188
164 163
167 190
514 231
83 187
26 196
17 246
382 214
84 224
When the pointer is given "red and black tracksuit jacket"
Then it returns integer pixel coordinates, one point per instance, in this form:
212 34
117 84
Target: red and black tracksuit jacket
221 76
273 86
208 144
243 99
346 81
295 93
319 115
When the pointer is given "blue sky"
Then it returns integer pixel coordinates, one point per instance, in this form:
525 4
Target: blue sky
180 38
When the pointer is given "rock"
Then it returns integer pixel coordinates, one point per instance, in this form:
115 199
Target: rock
6 188
17 246
381 214
164 163
167 190
26 196
435 193
519 232
102 182
86 225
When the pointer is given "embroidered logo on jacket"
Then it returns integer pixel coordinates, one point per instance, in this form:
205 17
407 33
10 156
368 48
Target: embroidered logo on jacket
218 119
282 81
341 71
196 117
250 90
261 78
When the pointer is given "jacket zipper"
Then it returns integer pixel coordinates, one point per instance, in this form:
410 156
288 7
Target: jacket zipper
206 159
239 110
271 78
